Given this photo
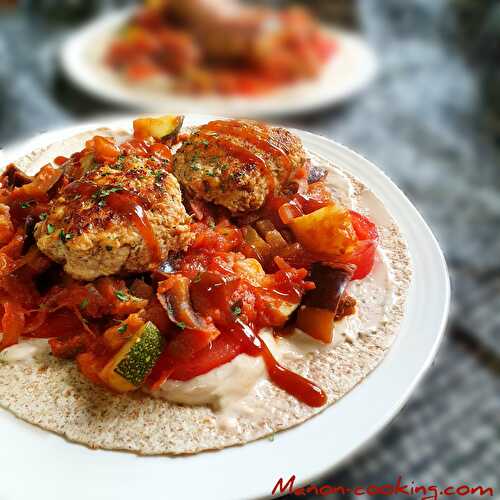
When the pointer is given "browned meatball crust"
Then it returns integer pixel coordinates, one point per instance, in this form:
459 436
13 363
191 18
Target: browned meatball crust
91 238
237 164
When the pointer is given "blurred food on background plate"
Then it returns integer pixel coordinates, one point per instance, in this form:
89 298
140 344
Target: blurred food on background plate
220 46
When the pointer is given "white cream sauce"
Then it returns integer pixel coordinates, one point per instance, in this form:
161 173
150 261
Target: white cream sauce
26 351
232 389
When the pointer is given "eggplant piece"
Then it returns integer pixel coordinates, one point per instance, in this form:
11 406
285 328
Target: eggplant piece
29 230
331 283
316 173
167 266
317 323
318 311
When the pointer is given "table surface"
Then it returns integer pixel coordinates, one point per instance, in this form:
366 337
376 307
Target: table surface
425 123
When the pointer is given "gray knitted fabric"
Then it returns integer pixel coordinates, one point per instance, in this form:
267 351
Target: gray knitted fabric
423 123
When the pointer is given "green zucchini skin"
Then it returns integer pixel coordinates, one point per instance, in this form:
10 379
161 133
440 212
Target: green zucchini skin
141 358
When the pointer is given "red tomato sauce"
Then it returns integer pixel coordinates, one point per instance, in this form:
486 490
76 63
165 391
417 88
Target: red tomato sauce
262 140
209 302
242 154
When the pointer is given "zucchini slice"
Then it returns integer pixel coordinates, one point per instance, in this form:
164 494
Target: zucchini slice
129 368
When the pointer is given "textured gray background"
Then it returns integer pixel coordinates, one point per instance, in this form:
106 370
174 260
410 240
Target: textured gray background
429 124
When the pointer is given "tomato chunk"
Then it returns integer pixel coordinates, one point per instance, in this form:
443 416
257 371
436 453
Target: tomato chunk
12 324
62 323
363 256
222 350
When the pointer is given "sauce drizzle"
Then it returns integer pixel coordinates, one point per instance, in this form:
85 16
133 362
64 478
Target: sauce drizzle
296 385
245 156
127 205
260 140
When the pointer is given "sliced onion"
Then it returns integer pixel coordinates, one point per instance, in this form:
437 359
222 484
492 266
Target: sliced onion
288 212
177 303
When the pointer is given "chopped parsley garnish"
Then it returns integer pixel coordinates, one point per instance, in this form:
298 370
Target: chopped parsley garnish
27 204
101 193
236 309
181 325
123 328
84 303
43 216
64 237
118 165
50 228
121 296
159 176
211 224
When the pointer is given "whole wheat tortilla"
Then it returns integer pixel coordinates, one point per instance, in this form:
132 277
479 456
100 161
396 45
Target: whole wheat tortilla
52 394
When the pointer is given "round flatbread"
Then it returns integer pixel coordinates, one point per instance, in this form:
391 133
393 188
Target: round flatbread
53 395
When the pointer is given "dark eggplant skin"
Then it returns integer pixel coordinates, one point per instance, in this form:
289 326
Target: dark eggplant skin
316 173
331 282
29 228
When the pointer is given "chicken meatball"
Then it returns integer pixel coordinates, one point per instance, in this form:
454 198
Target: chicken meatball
121 217
238 164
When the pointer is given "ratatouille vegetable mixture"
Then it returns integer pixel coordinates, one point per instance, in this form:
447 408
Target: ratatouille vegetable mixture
163 255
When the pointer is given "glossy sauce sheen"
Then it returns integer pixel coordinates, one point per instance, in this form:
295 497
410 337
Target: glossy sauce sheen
127 205
244 155
296 385
260 140
212 292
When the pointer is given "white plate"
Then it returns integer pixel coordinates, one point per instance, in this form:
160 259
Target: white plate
351 69
42 465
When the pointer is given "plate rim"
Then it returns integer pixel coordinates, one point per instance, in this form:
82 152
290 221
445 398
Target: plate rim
78 41
17 149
